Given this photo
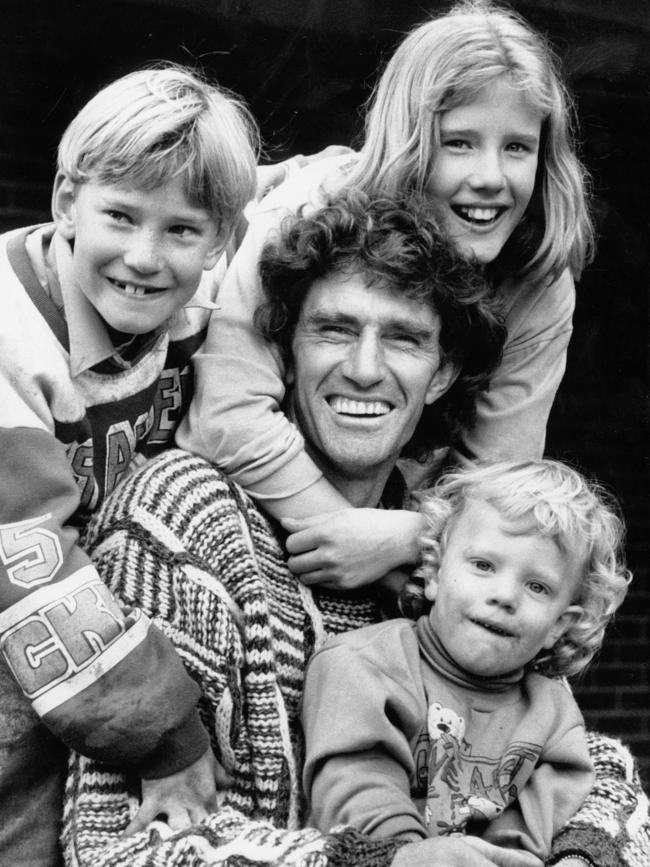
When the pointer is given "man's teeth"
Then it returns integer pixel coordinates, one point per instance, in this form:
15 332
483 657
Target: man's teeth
359 407
479 215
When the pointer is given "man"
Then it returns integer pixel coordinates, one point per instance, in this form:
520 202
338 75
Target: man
384 331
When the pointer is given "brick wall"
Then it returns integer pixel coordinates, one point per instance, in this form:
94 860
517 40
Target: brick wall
305 83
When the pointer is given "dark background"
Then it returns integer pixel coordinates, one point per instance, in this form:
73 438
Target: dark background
305 67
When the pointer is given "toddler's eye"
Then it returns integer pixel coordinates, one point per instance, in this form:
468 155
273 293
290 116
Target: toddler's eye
537 588
117 216
482 565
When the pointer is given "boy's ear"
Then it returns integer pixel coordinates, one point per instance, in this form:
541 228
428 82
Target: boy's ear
564 621
221 240
63 205
441 381
215 251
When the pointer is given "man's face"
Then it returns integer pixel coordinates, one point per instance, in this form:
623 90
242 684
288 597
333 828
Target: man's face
366 360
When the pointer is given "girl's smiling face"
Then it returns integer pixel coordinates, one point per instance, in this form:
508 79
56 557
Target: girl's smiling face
484 171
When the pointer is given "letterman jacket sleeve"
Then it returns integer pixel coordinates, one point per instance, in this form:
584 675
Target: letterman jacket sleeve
100 679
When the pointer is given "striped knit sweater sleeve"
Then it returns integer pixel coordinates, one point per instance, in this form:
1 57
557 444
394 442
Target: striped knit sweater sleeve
188 547
193 553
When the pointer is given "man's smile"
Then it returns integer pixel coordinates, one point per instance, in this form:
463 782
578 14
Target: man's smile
351 406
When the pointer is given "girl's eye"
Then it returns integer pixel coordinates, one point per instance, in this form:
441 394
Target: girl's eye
518 148
456 143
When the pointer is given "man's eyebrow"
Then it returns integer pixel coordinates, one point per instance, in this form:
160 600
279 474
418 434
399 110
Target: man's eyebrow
327 317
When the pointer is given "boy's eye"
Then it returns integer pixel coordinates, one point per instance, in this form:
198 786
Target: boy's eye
182 231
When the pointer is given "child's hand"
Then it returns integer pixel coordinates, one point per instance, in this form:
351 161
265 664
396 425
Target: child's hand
352 547
185 798
461 852
271 176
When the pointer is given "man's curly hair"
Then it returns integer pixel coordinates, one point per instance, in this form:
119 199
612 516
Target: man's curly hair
392 244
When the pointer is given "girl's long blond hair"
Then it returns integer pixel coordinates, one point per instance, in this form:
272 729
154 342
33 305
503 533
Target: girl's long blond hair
443 64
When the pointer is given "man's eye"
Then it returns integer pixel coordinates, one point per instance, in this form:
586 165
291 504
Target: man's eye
404 338
335 331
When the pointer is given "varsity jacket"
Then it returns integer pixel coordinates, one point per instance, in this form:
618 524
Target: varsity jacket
102 679
438 751
187 545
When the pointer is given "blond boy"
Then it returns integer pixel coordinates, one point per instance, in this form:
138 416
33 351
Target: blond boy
101 312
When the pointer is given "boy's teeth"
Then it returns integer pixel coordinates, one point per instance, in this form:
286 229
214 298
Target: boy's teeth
131 288
359 407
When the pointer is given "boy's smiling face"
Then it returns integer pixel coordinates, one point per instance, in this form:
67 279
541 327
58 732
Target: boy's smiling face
500 595
138 254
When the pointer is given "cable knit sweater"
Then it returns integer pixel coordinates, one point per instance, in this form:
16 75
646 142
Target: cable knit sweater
189 548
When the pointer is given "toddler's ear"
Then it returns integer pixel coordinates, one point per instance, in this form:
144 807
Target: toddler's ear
63 205
564 621
431 554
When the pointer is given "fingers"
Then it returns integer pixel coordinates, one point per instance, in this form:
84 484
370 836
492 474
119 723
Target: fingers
144 817
222 778
501 857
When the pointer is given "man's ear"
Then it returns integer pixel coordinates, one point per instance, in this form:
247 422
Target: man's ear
441 381
564 622
64 205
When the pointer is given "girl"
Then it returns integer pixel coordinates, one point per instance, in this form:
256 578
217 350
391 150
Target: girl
470 112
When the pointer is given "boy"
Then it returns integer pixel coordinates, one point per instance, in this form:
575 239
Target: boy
458 711
101 313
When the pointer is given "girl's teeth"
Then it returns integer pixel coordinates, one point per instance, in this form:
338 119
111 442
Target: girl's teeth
480 215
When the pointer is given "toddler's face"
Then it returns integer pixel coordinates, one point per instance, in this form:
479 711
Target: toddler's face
138 254
500 596
484 172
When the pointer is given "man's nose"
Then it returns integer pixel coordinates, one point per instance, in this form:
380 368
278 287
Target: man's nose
143 253
365 363
487 171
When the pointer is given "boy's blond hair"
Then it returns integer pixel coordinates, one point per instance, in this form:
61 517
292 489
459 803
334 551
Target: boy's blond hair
162 122
550 498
